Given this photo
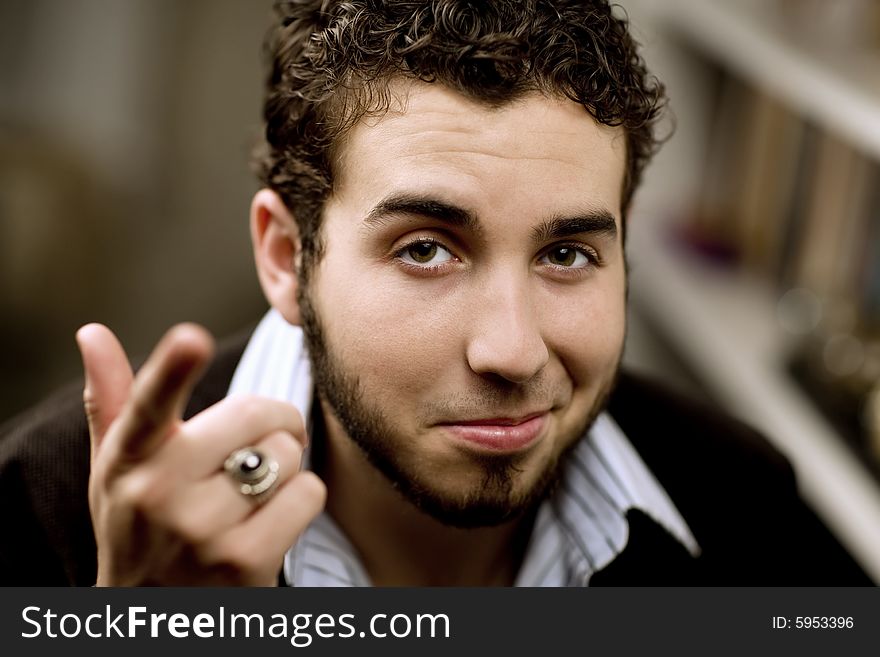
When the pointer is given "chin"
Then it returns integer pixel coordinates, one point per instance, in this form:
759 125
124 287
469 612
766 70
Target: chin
498 494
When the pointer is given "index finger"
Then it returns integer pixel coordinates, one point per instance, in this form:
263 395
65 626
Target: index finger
161 390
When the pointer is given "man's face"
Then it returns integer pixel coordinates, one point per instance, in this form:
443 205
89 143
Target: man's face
467 318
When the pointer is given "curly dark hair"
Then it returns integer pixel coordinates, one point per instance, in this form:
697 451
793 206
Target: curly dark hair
331 61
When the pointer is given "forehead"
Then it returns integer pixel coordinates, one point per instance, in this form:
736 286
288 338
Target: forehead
534 156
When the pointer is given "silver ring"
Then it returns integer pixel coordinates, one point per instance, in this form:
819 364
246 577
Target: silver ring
255 474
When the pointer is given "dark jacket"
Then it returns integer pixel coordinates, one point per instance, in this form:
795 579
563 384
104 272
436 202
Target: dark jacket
737 494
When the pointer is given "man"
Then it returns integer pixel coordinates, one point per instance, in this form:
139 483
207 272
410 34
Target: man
446 186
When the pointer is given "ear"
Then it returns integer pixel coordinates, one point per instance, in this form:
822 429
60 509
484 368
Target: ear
277 249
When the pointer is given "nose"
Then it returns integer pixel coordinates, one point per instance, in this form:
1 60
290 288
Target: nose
505 338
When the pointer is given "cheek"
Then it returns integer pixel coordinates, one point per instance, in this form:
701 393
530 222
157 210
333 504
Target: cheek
588 336
387 331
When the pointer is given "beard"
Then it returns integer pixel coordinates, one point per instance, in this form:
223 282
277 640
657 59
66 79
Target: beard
492 500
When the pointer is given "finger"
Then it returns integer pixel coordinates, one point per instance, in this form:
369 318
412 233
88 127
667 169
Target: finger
261 541
235 422
161 390
108 378
212 505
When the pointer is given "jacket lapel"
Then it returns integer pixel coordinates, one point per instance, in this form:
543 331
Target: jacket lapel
652 557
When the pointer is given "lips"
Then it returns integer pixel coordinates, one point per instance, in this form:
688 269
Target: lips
499 434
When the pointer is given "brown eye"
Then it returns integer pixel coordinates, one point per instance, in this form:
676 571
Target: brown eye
563 256
425 253
568 257
422 252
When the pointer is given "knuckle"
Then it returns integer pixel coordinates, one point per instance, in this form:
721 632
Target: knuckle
128 491
191 528
295 421
250 408
141 492
240 555
193 532
312 488
285 448
90 404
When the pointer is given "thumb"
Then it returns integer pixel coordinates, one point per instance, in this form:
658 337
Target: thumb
108 378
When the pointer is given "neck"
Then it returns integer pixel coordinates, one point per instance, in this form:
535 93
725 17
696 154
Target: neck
399 544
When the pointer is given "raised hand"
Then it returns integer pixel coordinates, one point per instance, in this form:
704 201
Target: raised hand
164 510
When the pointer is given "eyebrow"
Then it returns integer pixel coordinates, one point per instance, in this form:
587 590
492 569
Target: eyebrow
422 206
596 222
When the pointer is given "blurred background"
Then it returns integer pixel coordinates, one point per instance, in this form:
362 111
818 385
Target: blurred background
125 132
755 242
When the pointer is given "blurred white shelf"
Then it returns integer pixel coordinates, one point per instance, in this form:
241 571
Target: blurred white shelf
837 87
724 326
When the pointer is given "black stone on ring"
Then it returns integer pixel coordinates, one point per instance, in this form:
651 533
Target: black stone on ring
254 473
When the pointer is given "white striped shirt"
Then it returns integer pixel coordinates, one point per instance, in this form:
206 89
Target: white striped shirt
579 530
